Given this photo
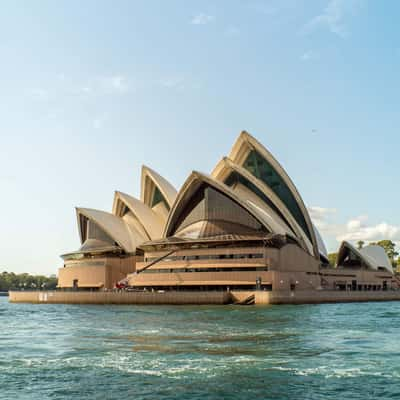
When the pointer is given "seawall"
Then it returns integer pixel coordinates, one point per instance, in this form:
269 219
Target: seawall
199 298
323 296
53 297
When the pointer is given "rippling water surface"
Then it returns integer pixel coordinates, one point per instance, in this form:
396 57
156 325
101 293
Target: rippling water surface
332 351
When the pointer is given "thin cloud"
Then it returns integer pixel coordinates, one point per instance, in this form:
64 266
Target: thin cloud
321 217
99 85
103 85
86 89
321 212
265 9
354 229
232 31
39 93
333 17
308 56
202 19
359 229
172 83
113 84
97 123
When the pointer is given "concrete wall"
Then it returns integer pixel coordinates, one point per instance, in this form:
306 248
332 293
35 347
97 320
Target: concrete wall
323 296
282 280
199 278
206 251
87 275
101 272
331 276
50 297
294 259
288 265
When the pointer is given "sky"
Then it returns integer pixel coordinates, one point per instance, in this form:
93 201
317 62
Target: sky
90 91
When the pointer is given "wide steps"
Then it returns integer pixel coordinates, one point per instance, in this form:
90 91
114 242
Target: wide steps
247 301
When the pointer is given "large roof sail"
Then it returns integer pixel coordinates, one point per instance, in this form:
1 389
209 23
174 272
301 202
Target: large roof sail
206 207
250 188
248 153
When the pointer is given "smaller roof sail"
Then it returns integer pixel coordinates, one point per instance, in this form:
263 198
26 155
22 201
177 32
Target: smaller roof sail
97 225
378 255
248 153
157 192
370 257
134 212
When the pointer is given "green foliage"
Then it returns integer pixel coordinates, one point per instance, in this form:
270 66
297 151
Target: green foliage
10 280
360 244
332 257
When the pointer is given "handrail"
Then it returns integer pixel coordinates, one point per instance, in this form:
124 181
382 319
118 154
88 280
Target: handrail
155 261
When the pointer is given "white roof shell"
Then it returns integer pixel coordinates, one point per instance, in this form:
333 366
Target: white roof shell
151 178
374 256
189 189
378 257
226 166
243 145
150 222
123 234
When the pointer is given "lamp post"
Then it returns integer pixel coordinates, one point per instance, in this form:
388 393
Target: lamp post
258 283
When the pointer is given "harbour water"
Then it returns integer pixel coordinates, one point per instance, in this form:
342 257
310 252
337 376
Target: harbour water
328 351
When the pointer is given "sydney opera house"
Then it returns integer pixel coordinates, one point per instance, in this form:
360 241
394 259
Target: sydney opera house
244 227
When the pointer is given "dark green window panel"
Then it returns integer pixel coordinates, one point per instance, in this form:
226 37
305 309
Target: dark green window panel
235 177
263 170
211 213
158 198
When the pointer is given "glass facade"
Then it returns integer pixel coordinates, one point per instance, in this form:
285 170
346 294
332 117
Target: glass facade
158 198
208 257
210 213
181 270
95 232
235 178
201 288
259 167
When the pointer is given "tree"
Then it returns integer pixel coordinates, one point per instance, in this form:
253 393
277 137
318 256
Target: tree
398 265
10 281
360 244
332 257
